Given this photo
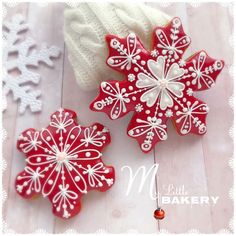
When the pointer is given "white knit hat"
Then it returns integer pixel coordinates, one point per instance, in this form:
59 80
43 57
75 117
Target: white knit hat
86 27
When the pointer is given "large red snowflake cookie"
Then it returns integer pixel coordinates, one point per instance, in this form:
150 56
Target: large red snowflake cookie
158 85
63 162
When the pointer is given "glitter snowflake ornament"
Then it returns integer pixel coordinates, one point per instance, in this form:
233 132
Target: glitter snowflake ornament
63 162
158 85
17 73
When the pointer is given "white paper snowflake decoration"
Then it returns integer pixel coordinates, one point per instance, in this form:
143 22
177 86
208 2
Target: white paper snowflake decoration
19 83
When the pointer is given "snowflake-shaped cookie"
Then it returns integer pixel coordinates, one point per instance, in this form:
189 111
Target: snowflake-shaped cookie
158 86
64 162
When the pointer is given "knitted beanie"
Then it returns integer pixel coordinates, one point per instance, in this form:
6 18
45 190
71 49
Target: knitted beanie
86 27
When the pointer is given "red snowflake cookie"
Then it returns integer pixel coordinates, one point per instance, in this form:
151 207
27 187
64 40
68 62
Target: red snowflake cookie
64 162
158 85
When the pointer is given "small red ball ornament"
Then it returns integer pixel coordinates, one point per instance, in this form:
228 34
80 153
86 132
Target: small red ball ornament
159 214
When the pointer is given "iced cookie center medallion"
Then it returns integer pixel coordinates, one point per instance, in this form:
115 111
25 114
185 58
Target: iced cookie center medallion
162 85
61 156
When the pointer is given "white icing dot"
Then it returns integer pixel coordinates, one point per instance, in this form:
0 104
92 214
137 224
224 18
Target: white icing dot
88 154
77 178
48 138
184 131
28 191
50 181
72 136
38 159
131 132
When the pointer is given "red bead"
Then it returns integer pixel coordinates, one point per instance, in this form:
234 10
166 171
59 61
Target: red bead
159 214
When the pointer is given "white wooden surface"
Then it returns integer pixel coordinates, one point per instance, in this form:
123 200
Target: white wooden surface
199 163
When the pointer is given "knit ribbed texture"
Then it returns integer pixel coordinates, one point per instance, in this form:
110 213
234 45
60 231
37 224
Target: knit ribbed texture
86 27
